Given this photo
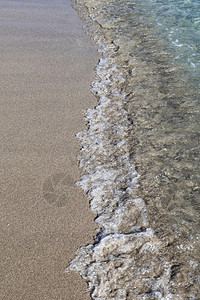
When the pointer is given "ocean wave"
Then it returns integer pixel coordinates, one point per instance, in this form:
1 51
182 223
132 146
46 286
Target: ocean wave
126 260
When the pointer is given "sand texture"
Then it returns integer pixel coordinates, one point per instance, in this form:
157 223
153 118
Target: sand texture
46 69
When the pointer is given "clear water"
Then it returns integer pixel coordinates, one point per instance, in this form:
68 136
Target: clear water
177 23
150 76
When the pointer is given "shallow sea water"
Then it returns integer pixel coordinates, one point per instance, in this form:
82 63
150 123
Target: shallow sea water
140 152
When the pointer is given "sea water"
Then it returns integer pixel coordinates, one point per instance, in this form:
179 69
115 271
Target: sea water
140 152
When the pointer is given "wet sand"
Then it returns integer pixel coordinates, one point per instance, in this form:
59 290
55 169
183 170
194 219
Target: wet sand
46 70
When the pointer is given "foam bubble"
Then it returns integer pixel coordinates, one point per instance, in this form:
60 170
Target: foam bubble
124 261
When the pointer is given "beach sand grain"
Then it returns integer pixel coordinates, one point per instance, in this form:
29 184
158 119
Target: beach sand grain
46 69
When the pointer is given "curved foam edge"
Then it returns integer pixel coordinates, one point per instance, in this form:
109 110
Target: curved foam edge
125 260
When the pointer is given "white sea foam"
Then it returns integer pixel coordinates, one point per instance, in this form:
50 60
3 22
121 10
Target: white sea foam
124 262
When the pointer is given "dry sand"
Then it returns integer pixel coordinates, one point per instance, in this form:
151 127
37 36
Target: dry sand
46 69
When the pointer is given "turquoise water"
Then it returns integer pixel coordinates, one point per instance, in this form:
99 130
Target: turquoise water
155 47
178 24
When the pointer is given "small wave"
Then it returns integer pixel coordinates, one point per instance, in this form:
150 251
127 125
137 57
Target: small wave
126 260
125 247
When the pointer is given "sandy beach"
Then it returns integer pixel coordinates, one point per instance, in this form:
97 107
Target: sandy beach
46 69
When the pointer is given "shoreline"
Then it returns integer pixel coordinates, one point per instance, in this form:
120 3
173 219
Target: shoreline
45 217
127 236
